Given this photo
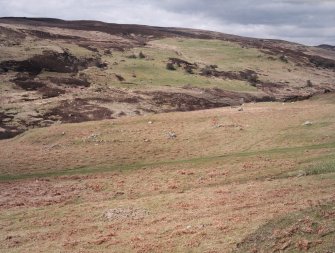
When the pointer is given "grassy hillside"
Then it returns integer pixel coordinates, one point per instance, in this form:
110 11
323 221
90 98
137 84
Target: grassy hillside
228 145
152 72
129 185
50 69
311 229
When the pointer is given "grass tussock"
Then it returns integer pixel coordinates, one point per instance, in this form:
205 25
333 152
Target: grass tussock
321 168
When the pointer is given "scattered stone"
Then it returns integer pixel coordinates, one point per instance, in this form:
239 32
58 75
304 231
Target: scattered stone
301 173
308 123
122 214
93 138
150 122
284 58
172 135
240 109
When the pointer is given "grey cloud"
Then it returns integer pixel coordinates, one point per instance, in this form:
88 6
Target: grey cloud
304 13
305 21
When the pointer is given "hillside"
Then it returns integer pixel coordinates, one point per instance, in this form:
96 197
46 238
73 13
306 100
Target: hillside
218 180
128 138
54 71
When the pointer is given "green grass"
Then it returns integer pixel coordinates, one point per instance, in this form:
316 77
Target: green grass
197 160
303 134
321 168
152 72
317 166
227 55
291 232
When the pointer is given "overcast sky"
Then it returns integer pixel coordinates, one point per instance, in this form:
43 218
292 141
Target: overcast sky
309 22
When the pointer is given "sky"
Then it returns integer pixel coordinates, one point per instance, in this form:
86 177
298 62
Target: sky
310 22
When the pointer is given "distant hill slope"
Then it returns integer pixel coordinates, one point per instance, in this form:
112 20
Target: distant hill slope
325 46
55 71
